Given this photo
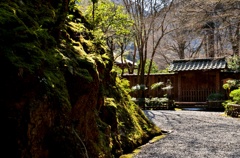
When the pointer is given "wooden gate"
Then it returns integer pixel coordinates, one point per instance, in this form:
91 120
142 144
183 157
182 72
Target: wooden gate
195 95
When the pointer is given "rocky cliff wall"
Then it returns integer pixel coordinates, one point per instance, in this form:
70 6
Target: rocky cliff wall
60 95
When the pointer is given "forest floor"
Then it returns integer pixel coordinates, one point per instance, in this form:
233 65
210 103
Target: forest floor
193 134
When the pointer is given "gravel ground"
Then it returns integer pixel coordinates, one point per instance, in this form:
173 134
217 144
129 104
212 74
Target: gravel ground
193 134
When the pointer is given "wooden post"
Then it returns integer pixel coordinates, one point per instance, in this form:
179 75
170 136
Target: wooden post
179 87
218 81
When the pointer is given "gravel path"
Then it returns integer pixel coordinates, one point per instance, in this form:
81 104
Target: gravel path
193 134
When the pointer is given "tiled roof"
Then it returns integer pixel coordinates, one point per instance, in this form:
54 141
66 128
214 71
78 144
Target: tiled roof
124 61
198 64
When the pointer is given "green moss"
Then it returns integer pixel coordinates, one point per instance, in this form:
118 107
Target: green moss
40 40
32 47
76 27
110 102
54 82
137 150
104 145
134 125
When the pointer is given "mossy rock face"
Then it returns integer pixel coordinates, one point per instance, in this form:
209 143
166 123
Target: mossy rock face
133 127
59 95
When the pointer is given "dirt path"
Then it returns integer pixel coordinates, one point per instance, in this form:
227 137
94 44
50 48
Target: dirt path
194 134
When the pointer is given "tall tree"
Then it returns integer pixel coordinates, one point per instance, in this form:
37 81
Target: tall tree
214 24
115 24
149 25
230 18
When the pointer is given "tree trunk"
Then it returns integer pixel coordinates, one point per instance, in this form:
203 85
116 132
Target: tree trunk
235 40
181 50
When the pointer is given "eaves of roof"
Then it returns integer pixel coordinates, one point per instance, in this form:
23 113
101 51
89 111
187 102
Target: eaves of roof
198 64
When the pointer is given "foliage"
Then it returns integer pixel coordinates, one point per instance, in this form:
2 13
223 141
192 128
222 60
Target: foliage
232 111
167 85
233 91
112 20
231 85
154 68
124 85
139 87
117 69
215 97
234 99
164 70
162 101
156 85
153 102
131 121
235 95
234 63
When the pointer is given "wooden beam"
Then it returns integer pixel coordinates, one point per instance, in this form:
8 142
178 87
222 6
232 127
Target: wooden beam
190 103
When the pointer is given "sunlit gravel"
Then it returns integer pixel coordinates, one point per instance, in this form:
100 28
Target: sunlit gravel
193 134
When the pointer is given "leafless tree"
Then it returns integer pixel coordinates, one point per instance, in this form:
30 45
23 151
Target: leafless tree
213 24
150 26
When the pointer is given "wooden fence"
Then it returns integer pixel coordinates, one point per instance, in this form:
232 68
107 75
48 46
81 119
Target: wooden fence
153 78
179 93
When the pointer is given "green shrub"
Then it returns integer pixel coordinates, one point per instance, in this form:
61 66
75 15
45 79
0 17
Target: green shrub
151 101
235 96
234 99
215 97
138 87
230 85
234 63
